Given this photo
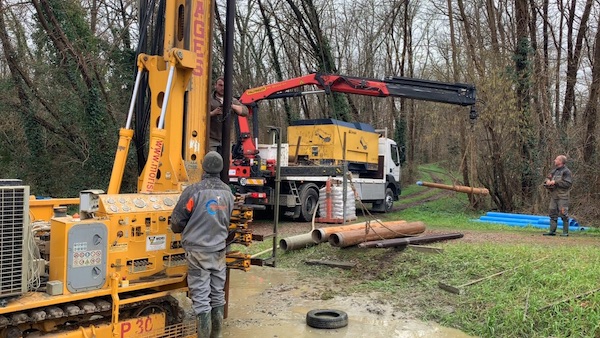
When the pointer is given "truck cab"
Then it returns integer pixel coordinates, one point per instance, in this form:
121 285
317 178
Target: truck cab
388 149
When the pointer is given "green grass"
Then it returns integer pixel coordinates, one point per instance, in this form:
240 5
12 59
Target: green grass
524 301
514 304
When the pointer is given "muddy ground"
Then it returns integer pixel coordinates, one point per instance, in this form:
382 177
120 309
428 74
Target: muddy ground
273 302
285 298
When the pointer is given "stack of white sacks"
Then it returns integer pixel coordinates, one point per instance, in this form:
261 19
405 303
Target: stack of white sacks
337 203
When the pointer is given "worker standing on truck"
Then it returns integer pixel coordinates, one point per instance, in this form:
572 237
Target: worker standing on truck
216 114
202 216
559 182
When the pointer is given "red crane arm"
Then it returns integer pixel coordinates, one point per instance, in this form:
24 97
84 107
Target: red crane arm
328 83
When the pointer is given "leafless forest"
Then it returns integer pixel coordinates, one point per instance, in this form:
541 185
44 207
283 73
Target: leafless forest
67 71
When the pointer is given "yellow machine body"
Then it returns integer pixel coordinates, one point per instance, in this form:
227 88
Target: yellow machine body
324 143
112 271
133 239
43 209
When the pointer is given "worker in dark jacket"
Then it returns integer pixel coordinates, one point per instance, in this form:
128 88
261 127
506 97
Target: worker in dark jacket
217 115
559 182
202 216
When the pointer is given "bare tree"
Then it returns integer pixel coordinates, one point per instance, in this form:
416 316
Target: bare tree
574 49
591 110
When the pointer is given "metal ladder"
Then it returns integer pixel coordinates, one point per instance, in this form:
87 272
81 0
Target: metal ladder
295 192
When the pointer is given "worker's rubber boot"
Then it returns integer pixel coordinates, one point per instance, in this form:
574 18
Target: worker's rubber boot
204 324
565 227
553 225
217 315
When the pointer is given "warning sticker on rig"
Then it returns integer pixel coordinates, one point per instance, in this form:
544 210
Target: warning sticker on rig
119 247
87 258
154 243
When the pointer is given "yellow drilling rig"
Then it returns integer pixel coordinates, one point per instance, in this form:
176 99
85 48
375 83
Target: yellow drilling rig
111 269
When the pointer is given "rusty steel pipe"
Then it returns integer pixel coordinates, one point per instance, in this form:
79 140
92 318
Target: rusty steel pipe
296 242
459 188
353 237
395 242
322 234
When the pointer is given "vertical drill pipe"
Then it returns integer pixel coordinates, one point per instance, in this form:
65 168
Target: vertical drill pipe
353 237
277 132
296 242
228 77
227 90
322 234
459 188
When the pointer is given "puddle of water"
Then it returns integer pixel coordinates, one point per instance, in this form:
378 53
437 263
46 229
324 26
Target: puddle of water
263 303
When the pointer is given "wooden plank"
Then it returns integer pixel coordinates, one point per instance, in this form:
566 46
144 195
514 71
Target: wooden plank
426 249
452 289
449 288
334 264
569 298
456 289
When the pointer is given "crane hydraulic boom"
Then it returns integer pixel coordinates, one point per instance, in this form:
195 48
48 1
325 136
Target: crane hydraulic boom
245 150
452 93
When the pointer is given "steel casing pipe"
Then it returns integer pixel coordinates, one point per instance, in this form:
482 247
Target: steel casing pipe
296 242
353 237
322 234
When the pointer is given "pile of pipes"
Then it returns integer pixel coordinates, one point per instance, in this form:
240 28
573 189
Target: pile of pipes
375 234
524 220
350 235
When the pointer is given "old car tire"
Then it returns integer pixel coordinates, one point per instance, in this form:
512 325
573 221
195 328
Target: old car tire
326 319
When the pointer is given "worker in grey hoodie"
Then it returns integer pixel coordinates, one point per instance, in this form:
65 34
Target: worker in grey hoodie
202 216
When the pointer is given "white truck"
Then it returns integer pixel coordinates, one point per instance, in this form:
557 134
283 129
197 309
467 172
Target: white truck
302 177
319 150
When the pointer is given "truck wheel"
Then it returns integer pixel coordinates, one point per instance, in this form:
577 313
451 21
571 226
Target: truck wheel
388 202
11 331
309 199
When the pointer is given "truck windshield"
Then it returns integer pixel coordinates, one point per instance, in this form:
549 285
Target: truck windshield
395 156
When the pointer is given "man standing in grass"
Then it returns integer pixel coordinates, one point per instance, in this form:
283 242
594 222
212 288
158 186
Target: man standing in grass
559 182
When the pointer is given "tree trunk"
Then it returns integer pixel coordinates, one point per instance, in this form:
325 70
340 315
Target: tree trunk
523 73
274 58
591 110
573 60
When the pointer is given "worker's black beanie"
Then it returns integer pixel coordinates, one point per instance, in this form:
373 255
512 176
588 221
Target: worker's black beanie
213 163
